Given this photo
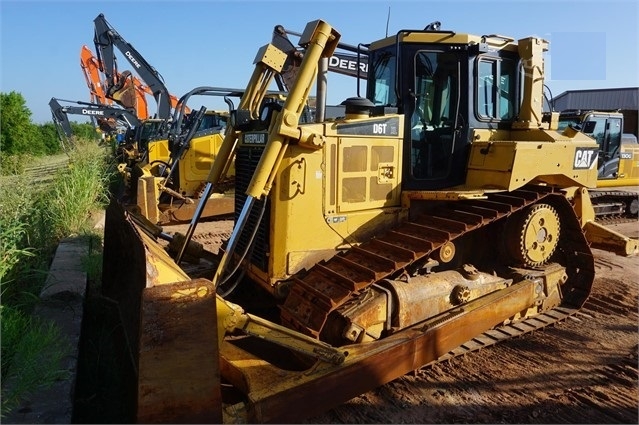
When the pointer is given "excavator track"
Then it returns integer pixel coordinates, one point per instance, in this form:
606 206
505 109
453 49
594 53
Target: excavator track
617 219
615 206
333 283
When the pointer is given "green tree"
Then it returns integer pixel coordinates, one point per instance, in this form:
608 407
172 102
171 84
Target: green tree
17 133
50 139
84 130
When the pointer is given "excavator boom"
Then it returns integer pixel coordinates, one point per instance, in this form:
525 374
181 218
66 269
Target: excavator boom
91 68
93 110
106 38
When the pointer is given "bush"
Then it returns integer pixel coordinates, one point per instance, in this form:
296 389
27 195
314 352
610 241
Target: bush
49 138
17 133
19 136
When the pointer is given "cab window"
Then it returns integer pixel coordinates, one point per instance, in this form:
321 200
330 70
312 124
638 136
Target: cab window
436 97
496 89
384 80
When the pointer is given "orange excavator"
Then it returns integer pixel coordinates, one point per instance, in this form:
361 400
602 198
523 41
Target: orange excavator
133 94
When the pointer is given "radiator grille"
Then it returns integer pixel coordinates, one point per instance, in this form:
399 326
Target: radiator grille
246 161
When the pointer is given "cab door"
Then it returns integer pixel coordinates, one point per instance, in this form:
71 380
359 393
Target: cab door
607 132
438 132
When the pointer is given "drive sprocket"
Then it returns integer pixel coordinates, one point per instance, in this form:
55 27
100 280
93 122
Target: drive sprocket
533 235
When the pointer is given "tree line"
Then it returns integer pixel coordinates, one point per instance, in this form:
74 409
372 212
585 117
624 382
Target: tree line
20 136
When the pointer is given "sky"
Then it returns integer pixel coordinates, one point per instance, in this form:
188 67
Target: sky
191 43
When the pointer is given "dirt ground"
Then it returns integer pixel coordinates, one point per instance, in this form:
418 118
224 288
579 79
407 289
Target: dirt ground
583 370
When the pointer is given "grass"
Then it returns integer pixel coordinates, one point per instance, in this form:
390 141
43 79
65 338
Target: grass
32 351
33 220
11 165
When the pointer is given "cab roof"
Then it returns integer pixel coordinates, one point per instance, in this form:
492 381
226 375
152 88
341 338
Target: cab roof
495 41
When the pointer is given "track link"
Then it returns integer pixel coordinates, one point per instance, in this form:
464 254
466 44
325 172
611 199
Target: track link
330 284
606 203
512 330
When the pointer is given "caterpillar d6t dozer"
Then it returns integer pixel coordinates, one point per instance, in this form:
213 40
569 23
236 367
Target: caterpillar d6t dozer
438 210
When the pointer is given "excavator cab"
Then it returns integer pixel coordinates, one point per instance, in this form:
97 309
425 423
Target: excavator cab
616 197
615 146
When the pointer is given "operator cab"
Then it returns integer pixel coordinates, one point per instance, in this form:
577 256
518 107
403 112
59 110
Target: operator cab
447 84
607 130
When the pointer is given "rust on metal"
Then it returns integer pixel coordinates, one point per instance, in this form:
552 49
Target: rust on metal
173 340
280 396
308 313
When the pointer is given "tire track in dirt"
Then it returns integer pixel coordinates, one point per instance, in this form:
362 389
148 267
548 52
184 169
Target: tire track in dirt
42 173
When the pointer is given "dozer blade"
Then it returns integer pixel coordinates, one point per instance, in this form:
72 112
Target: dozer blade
179 378
179 359
133 261
218 205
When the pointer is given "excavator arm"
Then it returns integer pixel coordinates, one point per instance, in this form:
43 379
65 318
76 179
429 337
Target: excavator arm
142 88
60 114
91 67
105 39
91 70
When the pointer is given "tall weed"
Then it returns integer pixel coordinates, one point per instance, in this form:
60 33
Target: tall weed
13 233
76 192
33 220
14 164
21 260
31 351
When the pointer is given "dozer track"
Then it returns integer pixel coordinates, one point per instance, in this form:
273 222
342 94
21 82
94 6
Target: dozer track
333 283
513 330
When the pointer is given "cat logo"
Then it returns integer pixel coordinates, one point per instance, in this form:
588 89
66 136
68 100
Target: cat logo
585 158
254 138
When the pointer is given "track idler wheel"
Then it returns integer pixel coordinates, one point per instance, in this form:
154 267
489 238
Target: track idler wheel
632 207
532 235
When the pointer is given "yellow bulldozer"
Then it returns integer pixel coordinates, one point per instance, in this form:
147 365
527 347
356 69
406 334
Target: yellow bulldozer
164 176
439 209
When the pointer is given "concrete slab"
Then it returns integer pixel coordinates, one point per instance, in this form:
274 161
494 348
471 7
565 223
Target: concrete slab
65 274
62 303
